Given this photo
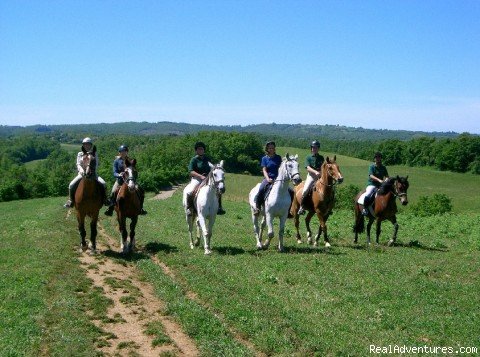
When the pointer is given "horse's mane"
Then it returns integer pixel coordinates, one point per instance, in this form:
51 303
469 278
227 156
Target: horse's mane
386 186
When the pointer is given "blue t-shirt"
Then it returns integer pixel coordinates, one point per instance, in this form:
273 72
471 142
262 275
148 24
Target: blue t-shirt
272 164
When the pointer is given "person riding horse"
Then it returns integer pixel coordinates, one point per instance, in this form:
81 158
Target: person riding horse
313 164
270 164
199 167
119 165
87 146
377 173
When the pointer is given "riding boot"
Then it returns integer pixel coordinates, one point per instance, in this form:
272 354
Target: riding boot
258 204
141 196
301 210
220 208
189 210
71 195
366 203
111 205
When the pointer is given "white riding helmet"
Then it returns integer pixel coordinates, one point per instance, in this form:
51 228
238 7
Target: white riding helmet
87 140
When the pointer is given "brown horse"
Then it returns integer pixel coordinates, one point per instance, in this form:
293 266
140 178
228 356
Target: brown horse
319 201
128 205
89 198
385 208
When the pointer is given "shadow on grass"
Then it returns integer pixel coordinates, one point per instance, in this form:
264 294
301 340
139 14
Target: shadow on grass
130 257
299 250
418 245
382 246
229 250
155 247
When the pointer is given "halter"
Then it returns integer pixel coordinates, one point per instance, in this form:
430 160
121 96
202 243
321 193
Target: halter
211 175
335 181
289 176
91 159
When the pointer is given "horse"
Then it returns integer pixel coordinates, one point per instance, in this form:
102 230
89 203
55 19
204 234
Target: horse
277 202
385 208
320 201
89 198
128 205
206 206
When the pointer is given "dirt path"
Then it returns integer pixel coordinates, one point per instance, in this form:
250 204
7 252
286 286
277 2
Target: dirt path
134 308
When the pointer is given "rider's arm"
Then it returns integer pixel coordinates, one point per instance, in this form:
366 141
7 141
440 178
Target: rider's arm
312 171
79 163
265 174
197 175
116 169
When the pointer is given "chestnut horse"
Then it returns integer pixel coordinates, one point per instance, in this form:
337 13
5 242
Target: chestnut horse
89 198
320 201
128 205
385 208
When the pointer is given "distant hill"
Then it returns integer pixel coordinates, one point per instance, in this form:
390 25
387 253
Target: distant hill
297 131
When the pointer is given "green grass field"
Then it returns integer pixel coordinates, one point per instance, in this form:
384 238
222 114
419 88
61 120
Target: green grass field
307 301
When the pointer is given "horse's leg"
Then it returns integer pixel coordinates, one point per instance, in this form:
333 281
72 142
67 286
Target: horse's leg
322 227
208 238
133 224
190 222
296 220
82 231
369 227
395 230
123 230
256 230
202 223
308 218
281 230
269 220
93 234
378 231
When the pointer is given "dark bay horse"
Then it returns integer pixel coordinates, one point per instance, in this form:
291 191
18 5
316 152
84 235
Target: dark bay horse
385 208
128 205
89 198
320 201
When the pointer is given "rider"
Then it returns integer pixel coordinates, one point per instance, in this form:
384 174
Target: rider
199 168
118 173
377 173
313 164
270 164
87 145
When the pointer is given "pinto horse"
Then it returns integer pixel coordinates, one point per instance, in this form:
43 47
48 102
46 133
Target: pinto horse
277 202
128 205
385 208
320 201
89 198
206 207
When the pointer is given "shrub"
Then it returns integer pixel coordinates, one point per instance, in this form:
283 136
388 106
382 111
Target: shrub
345 195
439 204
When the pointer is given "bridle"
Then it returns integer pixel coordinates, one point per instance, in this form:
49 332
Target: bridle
290 176
335 181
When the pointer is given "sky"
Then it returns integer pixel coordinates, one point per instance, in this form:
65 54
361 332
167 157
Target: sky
402 65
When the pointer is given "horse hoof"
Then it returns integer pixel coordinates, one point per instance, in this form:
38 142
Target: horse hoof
299 241
208 252
390 243
315 244
83 248
192 246
92 252
327 245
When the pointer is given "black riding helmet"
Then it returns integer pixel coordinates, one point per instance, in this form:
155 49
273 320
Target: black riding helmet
200 144
122 148
315 143
269 143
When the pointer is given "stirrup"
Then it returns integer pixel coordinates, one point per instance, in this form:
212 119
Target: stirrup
301 211
256 211
68 204
365 212
188 212
220 211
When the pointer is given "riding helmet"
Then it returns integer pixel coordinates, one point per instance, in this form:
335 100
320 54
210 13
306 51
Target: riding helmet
122 148
200 144
269 143
87 140
315 143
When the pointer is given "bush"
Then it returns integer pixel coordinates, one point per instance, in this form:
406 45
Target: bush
431 206
345 195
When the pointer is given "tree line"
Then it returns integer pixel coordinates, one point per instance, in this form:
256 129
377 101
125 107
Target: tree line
41 165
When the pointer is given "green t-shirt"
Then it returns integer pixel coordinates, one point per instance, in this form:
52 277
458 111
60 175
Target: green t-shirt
199 165
377 171
314 161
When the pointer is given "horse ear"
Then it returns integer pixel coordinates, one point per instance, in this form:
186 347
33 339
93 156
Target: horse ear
133 162
327 159
295 157
334 157
406 178
83 150
94 150
221 164
211 165
287 156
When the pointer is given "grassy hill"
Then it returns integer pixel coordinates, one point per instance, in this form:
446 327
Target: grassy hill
304 302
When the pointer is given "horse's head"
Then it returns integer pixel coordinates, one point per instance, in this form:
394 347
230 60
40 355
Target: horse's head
401 186
332 169
130 174
218 176
291 167
89 162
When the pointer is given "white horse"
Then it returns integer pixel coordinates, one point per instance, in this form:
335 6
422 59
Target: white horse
277 203
206 206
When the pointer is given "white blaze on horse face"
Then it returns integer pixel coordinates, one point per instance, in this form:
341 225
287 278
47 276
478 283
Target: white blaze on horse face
219 178
292 169
130 179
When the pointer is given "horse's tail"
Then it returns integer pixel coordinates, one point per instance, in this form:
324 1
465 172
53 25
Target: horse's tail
359 226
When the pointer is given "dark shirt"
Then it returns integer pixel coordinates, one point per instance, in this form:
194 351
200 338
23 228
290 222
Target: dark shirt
377 171
118 169
272 164
199 165
314 161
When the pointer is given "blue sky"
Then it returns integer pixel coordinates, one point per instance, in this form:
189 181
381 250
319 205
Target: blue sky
412 65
